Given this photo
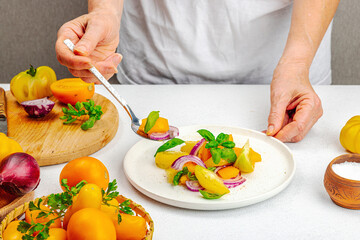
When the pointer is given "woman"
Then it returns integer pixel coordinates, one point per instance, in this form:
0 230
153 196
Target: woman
210 41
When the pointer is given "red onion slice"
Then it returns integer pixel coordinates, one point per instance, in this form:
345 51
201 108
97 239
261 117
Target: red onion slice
38 107
159 136
178 164
173 131
234 182
195 150
194 186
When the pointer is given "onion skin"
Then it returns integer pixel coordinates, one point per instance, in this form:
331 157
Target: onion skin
19 174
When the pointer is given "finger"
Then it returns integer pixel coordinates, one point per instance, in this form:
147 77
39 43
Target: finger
72 30
296 130
277 114
67 58
94 33
109 65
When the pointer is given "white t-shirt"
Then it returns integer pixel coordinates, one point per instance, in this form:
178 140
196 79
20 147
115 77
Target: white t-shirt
208 42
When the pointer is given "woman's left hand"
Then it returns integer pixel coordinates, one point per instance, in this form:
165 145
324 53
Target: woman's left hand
295 107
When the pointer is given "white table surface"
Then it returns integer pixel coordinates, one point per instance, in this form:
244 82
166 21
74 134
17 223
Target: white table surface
302 211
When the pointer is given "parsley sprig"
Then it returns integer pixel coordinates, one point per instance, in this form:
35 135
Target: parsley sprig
71 114
225 152
58 204
110 194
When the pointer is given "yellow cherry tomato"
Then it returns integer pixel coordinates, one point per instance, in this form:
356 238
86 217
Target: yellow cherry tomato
8 146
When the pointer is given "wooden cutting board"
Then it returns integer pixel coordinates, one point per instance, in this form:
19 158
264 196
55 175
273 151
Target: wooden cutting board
50 142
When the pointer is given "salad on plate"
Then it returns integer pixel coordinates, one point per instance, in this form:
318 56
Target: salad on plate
210 166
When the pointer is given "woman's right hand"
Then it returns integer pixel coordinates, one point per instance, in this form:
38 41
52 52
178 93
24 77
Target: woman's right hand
96 37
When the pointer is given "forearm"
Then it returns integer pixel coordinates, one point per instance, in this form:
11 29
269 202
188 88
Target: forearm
310 19
115 6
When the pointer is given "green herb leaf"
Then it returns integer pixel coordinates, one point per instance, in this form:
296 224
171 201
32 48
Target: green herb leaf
169 144
222 137
228 154
228 144
82 109
212 144
210 196
206 134
177 178
211 168
23 226
216 155
151 120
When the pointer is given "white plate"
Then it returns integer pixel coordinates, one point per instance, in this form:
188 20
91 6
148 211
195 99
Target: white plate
272 175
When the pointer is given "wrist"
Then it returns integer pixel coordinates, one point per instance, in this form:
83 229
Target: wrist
106 7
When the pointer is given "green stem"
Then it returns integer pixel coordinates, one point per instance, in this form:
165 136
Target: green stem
31 71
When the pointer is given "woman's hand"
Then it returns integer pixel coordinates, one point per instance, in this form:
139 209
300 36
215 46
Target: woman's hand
96 37
295 107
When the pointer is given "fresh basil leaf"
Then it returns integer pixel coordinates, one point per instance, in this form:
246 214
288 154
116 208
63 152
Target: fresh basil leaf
216 155
151 120
177 178
210 196
207 135
228 144
228 154
169 144
222 137
212 144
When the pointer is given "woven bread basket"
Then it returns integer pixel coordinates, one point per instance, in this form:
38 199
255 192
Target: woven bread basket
138 209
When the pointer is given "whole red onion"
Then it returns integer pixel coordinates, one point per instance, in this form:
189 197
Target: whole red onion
19 174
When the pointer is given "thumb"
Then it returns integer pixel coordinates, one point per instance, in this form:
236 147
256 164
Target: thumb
94 33
276 116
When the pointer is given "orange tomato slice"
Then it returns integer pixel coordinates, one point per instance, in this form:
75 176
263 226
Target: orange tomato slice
72 90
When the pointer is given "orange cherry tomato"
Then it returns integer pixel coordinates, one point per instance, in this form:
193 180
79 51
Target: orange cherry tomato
90 224
89 169
130 227
57 234
89 197
31 216
72 90
11 232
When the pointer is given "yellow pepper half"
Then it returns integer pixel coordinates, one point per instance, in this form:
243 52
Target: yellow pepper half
350 135
8 146
33 83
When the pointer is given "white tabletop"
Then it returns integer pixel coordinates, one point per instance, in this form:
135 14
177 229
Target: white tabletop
302 211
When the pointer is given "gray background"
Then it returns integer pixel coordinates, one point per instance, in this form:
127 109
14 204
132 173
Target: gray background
28 33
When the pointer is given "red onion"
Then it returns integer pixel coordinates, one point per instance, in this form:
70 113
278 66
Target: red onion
178 164
159 136
19 174
173 131
194 186
38 107
196 148
232 182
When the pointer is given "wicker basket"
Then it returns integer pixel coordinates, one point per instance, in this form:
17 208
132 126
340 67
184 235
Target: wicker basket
138 209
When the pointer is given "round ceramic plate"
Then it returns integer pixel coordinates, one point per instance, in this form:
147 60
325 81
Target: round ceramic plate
272 175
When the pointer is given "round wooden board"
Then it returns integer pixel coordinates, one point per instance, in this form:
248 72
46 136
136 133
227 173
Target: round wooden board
50 142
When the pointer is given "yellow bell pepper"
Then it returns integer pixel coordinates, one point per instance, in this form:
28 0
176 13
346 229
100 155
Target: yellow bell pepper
8 146
32 84
350 135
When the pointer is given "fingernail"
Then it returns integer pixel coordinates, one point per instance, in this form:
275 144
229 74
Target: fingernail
270 130
81 49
